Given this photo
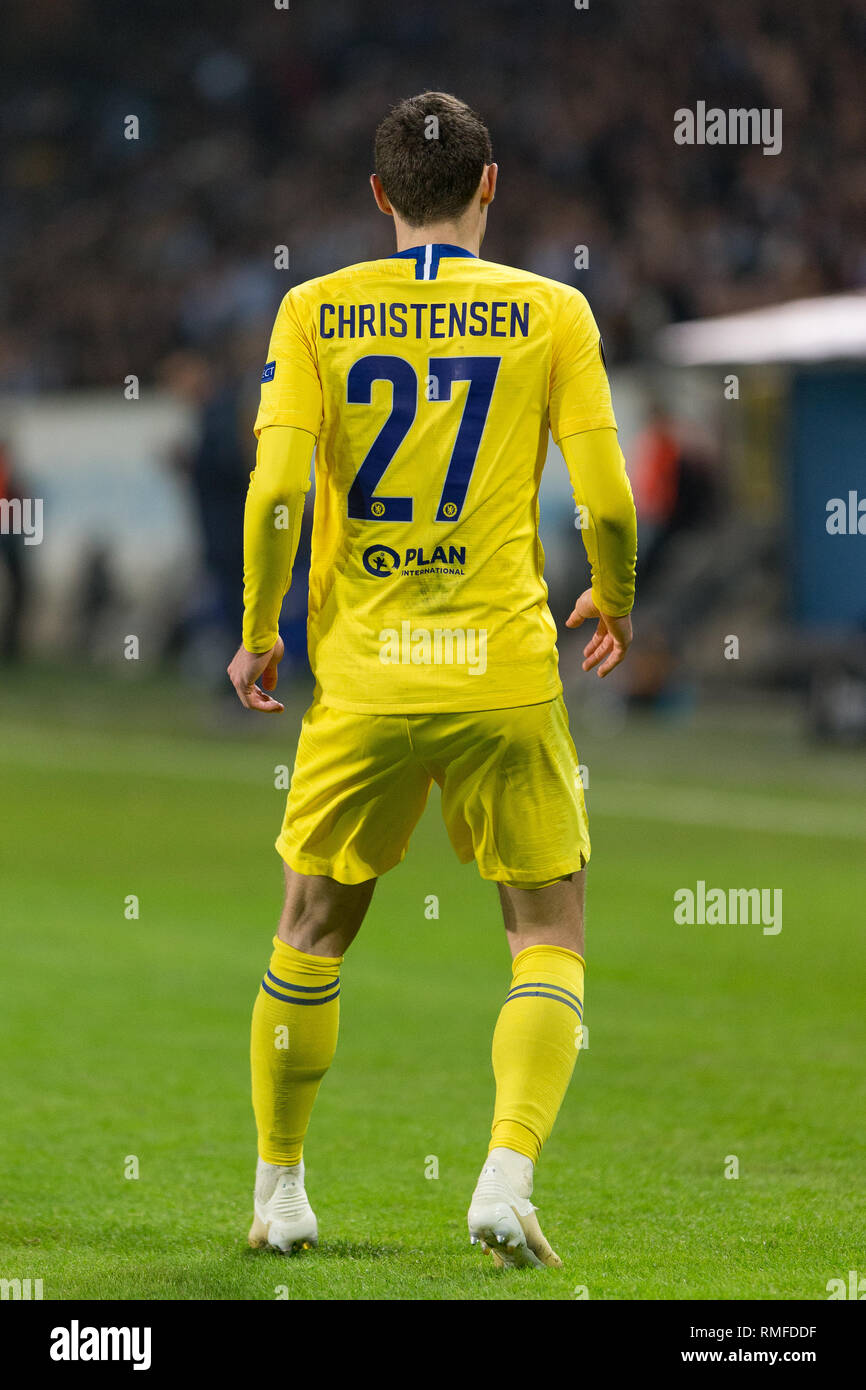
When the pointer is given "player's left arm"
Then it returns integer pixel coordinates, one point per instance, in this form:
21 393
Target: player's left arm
584 426
603 496
272 527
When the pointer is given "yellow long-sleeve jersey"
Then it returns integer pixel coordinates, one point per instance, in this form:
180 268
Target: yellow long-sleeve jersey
430 380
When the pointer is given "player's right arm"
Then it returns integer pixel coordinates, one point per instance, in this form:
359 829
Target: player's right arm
272 526
287 426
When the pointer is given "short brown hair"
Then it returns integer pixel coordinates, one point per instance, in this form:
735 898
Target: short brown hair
431 169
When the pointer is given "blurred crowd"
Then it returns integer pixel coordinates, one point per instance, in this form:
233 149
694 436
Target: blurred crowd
255 127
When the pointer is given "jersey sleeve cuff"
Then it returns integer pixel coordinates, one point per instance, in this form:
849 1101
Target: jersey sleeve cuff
615 608
292 419
258 645
581 424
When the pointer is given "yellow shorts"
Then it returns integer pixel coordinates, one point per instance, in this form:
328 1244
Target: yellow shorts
512 797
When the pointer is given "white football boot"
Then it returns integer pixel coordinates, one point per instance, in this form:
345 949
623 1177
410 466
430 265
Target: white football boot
283 1217
502 1218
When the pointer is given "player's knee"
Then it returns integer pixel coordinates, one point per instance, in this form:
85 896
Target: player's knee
309 926
548 912
321 915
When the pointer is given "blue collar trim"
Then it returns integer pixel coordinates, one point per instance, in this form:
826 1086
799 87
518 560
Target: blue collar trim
427 257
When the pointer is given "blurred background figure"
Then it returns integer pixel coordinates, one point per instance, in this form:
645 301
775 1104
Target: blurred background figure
674 487
216 462
221 392
675 476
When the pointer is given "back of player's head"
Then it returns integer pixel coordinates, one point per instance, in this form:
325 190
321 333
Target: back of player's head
430 153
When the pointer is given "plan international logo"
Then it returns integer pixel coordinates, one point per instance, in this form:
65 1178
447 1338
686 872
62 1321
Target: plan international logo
738 126
381 561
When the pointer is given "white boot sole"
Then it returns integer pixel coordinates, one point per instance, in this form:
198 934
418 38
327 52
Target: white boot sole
288 1238
499 1230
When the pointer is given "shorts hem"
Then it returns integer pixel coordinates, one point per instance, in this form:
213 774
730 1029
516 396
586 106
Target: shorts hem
499 874
312 864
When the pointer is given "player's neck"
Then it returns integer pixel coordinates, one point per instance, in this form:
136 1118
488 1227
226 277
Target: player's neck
441 234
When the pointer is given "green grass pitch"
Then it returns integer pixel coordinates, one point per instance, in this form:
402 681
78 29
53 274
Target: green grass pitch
129 1039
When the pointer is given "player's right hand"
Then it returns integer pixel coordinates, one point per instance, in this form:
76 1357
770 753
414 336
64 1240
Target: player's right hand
244 671
611 639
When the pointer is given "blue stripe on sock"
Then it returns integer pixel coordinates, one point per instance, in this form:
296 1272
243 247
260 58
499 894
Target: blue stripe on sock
542 994
307 989
285 999
545 984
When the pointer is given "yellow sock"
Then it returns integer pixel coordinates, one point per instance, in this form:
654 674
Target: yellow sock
535 1046
294 1037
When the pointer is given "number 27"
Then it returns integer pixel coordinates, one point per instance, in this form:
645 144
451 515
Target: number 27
480 372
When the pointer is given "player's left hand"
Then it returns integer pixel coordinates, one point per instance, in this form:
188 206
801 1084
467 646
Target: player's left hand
244 671
611 639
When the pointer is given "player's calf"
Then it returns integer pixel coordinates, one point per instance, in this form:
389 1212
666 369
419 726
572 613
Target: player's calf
534 1050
